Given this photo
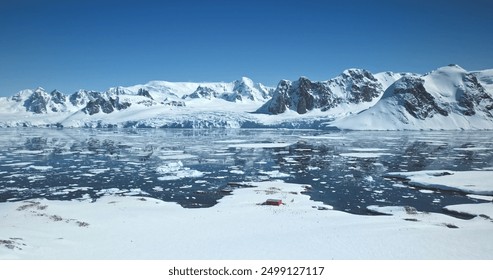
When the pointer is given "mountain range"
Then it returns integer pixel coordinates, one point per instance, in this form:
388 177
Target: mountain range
446 98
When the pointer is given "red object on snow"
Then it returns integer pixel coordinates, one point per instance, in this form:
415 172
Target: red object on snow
275 202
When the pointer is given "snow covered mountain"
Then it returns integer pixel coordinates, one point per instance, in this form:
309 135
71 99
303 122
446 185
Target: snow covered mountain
353 87
243 89
157 103
447 98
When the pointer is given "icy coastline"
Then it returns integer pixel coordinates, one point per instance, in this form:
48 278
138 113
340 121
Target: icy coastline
239 227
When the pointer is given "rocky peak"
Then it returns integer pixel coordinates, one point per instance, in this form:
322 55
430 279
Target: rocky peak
246 88
358 74
412 94
82 97
37 101
105 104
202 92
352 86
144 92
58 97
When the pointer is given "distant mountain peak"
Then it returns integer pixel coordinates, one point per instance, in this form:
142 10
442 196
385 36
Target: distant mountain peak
448 97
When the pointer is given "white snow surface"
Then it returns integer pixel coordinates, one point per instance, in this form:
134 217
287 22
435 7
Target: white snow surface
446 85
239 227
175 171
485 209
364 155
472 182
260 145
230 105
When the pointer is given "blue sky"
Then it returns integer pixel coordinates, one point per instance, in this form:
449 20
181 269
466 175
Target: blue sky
74 44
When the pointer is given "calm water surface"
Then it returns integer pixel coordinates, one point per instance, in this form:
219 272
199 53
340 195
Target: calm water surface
194 167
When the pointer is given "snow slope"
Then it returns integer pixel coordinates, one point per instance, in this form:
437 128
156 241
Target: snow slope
239 227
447 98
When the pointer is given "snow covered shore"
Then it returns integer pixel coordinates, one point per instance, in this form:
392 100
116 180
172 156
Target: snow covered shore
239 227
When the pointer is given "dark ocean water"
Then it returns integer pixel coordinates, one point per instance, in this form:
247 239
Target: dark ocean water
194 167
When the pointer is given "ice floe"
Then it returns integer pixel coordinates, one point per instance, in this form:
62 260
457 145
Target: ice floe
39 168
472 182
260 145
175 171
275 174
481 197
116 227
364 155
483 209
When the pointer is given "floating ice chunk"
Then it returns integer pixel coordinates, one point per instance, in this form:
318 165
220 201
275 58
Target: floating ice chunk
369 179
110 191
176 156
275 174
175 171
17 164
169 167
473 149
473 182
481 197
331 137
235 171
230 141
32 152
368 149
136 191
36 178
393 210
426 191
39 167
485 209
98 170
364 155
260 145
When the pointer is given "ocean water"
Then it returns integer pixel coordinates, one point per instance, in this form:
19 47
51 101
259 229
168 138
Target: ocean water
196 168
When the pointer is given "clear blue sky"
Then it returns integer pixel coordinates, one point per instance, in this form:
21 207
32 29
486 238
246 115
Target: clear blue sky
89 44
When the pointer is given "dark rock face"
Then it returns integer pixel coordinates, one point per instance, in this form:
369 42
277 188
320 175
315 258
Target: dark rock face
57 98
306 101
362 85
470 98
304 95
145 93
81 97
104 105
241 89
202 92
174 103
98 105
411 93
300 96
279 102
473 97
37 102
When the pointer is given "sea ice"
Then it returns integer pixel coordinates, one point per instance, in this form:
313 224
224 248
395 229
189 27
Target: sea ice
39 168
364 155
275 174
260 145
485 209
472 182
175 171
